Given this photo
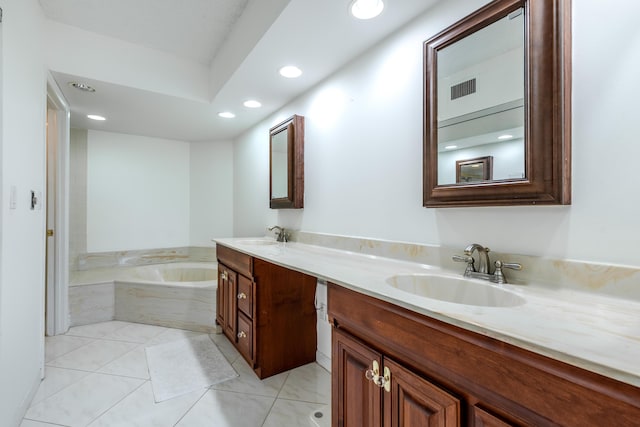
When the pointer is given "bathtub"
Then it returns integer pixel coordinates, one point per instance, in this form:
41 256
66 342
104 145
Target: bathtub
194 274
177 295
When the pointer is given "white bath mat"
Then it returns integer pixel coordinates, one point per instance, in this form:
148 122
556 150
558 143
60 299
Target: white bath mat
182 366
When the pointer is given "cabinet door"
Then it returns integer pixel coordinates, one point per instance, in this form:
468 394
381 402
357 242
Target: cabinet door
356 401
226 301
413 401
220 299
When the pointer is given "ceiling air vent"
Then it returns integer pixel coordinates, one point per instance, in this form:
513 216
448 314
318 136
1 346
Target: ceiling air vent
463 89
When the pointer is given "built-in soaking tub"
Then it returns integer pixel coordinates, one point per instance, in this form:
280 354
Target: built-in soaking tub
177 295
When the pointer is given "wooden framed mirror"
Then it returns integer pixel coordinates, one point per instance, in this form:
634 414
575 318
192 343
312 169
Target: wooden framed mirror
286 164
498 84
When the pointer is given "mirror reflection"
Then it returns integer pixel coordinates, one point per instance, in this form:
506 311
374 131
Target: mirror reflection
480 104
279 166
286 164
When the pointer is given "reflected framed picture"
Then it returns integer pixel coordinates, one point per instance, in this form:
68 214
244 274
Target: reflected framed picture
474 170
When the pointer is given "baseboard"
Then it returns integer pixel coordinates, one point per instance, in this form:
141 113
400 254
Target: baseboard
20 412
323 360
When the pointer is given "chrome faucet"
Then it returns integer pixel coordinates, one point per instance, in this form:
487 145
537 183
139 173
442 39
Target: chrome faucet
483 256
483 270
282 235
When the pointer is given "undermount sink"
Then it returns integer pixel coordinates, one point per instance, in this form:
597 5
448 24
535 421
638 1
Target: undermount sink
258 242
457 290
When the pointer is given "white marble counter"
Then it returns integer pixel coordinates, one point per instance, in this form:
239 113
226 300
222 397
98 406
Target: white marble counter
595 332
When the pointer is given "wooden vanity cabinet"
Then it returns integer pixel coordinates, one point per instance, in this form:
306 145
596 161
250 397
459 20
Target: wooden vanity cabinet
266 311
410 400
443 375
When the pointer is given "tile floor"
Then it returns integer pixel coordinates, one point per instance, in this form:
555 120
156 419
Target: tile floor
97 375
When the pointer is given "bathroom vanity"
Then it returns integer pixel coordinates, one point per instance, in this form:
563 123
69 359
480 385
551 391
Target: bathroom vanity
536 356
267 312
393 367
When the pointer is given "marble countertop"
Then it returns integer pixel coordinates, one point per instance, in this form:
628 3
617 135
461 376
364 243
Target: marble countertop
595 332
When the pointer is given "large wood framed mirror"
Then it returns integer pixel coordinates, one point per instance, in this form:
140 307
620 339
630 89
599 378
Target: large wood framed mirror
498 84
286 164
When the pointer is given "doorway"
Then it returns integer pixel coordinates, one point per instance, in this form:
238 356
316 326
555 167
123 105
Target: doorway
57 205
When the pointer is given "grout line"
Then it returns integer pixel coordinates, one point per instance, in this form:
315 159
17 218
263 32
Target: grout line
192 406
45 423
303 401
116 404
70 351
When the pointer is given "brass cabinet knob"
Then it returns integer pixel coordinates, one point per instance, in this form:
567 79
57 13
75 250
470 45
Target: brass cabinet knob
382 381
242 334
242 295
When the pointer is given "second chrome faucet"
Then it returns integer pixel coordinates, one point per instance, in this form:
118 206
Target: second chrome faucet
282 235
483 270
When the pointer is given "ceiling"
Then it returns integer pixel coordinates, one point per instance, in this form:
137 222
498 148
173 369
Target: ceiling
319 36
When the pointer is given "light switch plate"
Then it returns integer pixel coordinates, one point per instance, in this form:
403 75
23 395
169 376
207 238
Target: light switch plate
13 197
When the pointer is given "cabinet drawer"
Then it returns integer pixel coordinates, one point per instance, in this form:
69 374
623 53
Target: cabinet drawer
482 418
245 337
241 263
245 296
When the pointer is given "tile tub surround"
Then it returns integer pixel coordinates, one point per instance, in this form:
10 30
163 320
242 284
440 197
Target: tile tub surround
590 330
96 260
127 294
92 303
97 375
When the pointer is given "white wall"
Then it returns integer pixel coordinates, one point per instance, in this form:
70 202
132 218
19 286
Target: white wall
23 230
211 170
131 192
363 152
138 192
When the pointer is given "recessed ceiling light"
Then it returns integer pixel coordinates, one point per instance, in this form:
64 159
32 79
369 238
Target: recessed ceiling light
450 147
96 117
252 103
227 115
505 136
82 86
290 71
366 9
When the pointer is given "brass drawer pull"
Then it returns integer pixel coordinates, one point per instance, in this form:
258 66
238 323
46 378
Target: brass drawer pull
242 334
242 295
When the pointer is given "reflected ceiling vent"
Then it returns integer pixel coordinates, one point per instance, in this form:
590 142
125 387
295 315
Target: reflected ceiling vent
463 89
82 86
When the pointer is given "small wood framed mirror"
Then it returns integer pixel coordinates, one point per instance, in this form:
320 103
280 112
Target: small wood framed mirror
498 85
286 164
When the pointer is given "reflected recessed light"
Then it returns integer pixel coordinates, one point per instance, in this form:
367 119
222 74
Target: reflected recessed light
96 117
82 86
290 71
450 147
252 103
227 115
505 136
366 9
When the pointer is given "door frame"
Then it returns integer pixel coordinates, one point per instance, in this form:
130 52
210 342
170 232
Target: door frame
57 301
